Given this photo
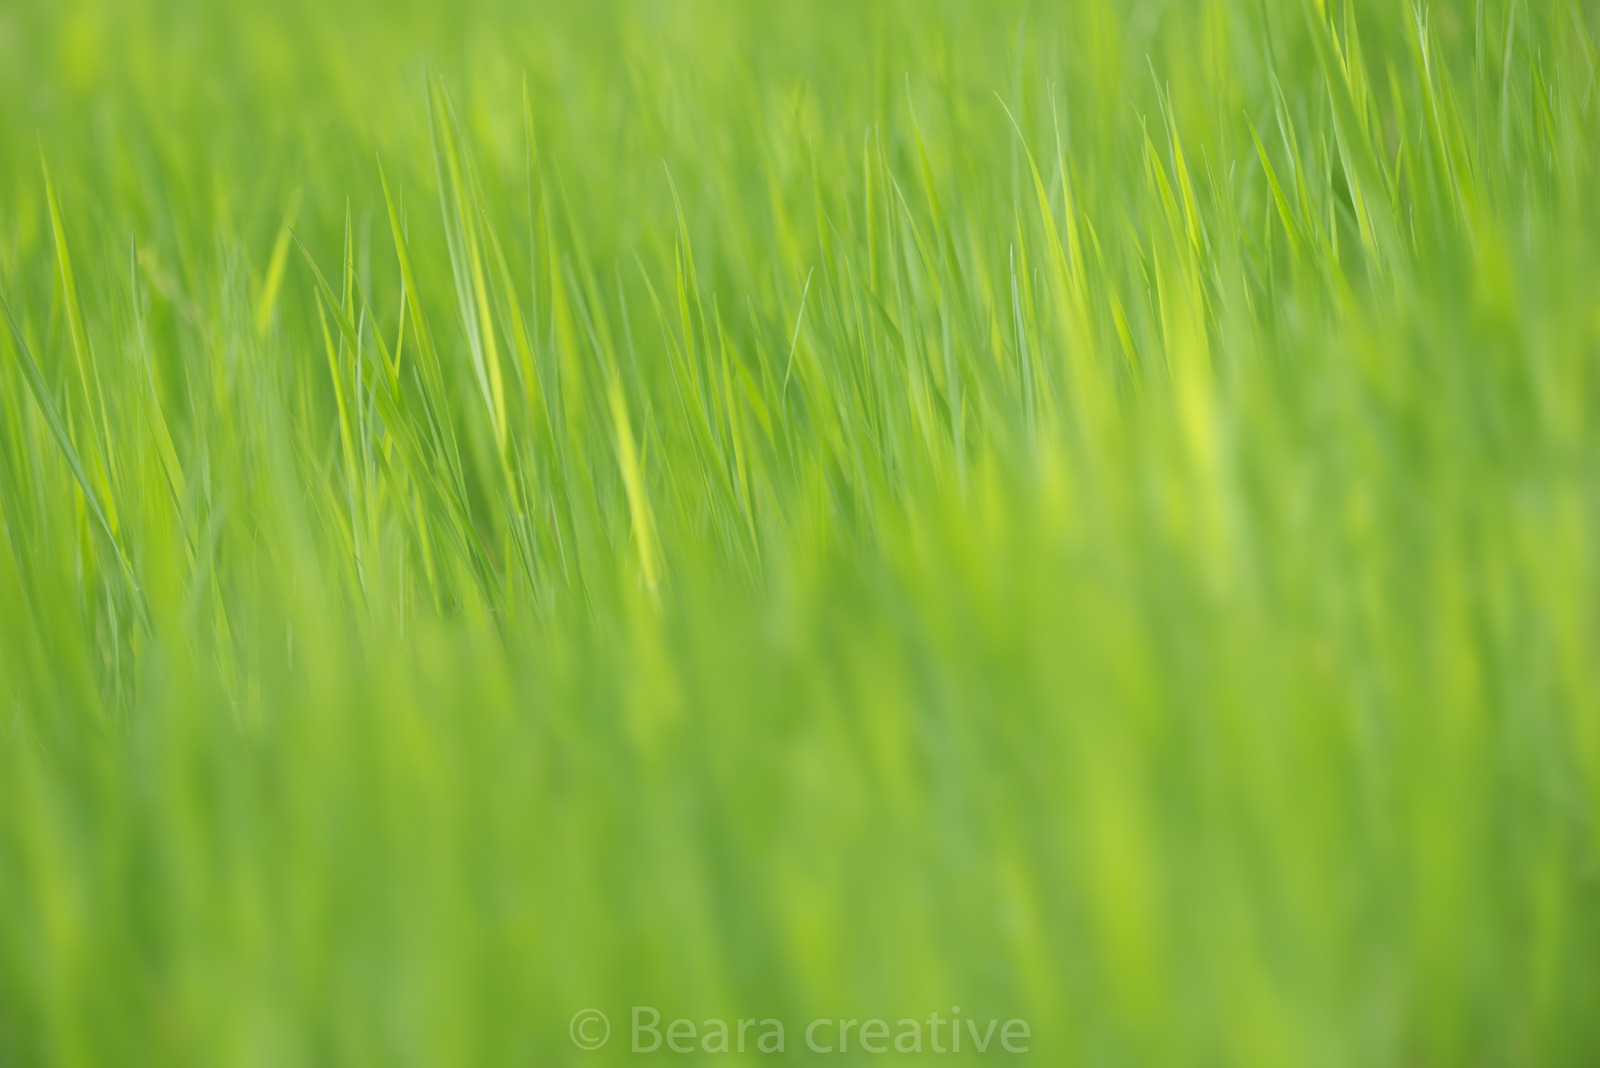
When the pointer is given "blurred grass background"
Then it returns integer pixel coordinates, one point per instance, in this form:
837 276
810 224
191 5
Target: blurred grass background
1086 512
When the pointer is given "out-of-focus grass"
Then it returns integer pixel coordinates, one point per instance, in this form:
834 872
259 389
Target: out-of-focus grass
1084 512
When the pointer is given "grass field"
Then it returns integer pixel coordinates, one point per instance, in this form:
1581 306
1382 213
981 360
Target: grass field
1087 512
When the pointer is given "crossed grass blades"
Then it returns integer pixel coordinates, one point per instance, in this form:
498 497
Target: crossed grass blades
1085 511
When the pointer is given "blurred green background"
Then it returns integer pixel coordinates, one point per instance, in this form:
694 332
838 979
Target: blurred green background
1083 511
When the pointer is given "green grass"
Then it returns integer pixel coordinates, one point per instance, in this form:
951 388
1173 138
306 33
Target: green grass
1088 512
